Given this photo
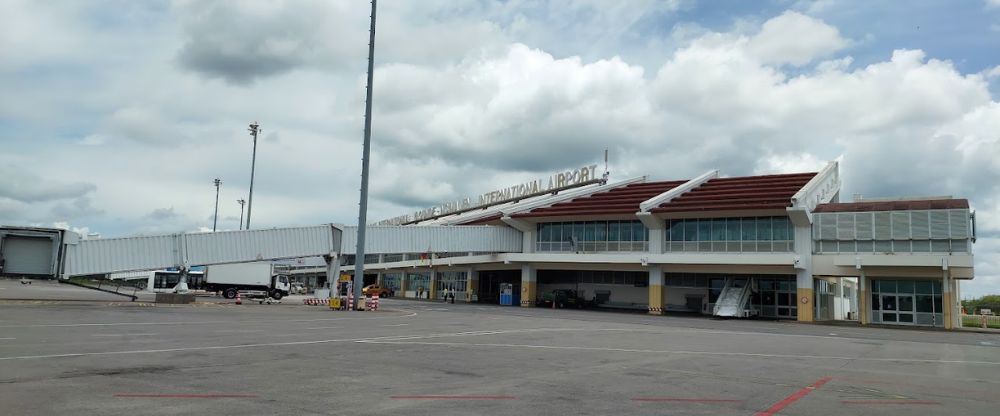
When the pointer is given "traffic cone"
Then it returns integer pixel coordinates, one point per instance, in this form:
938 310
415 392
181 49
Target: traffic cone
239 300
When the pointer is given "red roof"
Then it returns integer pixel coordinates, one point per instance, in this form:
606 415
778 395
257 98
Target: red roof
865 206
621 200
740 193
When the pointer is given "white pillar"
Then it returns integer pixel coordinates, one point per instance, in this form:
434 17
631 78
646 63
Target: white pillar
803 273
657 231
864 299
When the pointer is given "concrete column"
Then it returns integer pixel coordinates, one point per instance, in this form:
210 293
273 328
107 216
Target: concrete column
803 273
402 284
657 231
864 299
529 285
433 289
948 300
471 285
332 273
656 290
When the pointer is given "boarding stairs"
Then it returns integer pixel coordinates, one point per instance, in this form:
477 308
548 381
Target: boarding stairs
734 300
118 287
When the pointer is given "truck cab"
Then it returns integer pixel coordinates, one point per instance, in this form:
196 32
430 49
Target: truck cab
281 286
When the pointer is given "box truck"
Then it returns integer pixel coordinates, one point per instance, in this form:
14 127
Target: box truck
250 279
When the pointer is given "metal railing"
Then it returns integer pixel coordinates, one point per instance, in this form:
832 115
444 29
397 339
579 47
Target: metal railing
591 246
737 246
981 321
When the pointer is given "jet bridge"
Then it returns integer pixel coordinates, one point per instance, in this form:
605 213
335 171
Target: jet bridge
70 255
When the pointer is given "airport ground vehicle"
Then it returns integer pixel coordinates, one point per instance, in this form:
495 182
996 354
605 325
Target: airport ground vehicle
260 279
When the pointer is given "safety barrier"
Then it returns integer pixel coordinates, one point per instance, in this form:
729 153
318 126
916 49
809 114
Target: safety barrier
315 301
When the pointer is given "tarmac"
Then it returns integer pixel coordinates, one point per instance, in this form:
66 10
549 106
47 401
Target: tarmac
421 358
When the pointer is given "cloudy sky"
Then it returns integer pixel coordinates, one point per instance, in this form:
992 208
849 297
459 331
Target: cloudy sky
115 116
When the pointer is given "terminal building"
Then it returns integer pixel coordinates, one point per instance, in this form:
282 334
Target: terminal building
778 246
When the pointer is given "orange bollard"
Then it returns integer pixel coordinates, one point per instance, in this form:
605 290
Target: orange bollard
239 301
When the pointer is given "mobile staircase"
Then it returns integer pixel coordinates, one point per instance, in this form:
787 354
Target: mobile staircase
734 300
115 288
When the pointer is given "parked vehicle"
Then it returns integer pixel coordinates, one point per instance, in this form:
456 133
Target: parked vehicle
563 298
383 292
299 288
262 279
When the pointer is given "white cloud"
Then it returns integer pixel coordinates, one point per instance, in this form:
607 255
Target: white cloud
516 90
796 39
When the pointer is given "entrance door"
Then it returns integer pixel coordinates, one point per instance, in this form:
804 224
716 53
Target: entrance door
897 309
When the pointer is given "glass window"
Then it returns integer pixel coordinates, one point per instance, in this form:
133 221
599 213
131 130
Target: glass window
904 286
784 299
690 230
676 230
781 228
905 303
704 230
906 317
733 229
580 231
764 228
719 229
639 232
888 303
590 229
613 231
937 289
626 231
749 229
887 286
876 305
925 303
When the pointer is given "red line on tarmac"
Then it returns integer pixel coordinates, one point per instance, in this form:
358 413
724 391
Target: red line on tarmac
184 396
683 399
889 402
775 408
452 397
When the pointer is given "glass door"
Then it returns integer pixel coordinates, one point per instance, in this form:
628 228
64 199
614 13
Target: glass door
897 309
889 315
904 304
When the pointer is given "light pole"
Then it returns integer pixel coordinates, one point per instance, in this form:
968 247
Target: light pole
359 253
241 202
215 220
254 129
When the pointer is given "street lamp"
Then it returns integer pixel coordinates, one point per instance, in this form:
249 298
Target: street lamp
242 202
215 220
254 129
